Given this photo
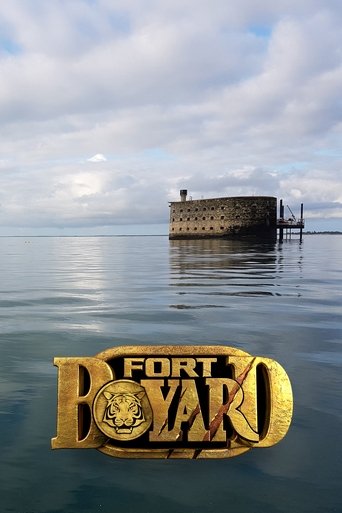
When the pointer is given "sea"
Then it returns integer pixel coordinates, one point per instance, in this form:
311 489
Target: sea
77 296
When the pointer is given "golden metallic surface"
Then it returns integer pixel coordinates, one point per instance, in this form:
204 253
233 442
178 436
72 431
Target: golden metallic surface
172 402
121 410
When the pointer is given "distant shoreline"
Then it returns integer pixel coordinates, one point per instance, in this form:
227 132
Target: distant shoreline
328 232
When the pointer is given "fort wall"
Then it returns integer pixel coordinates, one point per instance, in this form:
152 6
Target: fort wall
230 217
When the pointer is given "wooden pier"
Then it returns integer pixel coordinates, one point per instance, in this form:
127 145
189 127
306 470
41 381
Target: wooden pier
289 224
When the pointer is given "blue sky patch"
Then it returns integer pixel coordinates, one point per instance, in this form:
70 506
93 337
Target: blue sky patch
292 166
9 46
327 152
261 31
157 154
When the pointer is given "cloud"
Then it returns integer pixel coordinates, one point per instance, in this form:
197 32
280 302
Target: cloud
97 158
223 99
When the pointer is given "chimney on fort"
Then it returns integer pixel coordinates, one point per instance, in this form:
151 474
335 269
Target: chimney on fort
183 194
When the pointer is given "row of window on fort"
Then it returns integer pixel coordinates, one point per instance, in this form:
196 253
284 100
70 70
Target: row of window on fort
195 228
196 218
197 209
177 214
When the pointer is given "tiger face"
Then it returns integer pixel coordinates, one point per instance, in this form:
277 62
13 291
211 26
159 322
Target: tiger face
124 411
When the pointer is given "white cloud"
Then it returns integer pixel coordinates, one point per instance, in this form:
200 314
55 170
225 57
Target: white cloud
97 158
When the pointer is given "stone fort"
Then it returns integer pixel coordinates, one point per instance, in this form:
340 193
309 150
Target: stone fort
230 217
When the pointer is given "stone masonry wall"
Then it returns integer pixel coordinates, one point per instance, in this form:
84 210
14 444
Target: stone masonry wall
223 217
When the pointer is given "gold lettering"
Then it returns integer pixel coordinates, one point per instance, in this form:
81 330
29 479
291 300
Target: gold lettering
280 403
218 407
279 400
71 402
131 364
172 401
186 364
188 410
164 368
150 367
160 405
206 362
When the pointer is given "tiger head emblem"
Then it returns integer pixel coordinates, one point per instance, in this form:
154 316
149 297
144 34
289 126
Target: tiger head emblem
124 411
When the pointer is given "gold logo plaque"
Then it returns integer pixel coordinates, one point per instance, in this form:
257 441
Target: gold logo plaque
171 402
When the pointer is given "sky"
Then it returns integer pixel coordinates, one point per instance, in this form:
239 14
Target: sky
109 107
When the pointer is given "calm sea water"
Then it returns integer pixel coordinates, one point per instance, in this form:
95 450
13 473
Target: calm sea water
78 296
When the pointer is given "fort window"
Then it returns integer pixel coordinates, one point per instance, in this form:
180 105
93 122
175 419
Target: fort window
212 208
203 218
222 217
181 210
180 229
196 218
181 219
222 227
188 219
222 208
237 217
173 229
204 208
203 227
212 217
211 228
173 219
188 209
195 228
187 229
196 209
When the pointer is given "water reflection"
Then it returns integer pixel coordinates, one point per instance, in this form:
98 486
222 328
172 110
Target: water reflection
226 268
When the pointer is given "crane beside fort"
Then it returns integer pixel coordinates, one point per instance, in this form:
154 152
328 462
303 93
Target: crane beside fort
231 217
